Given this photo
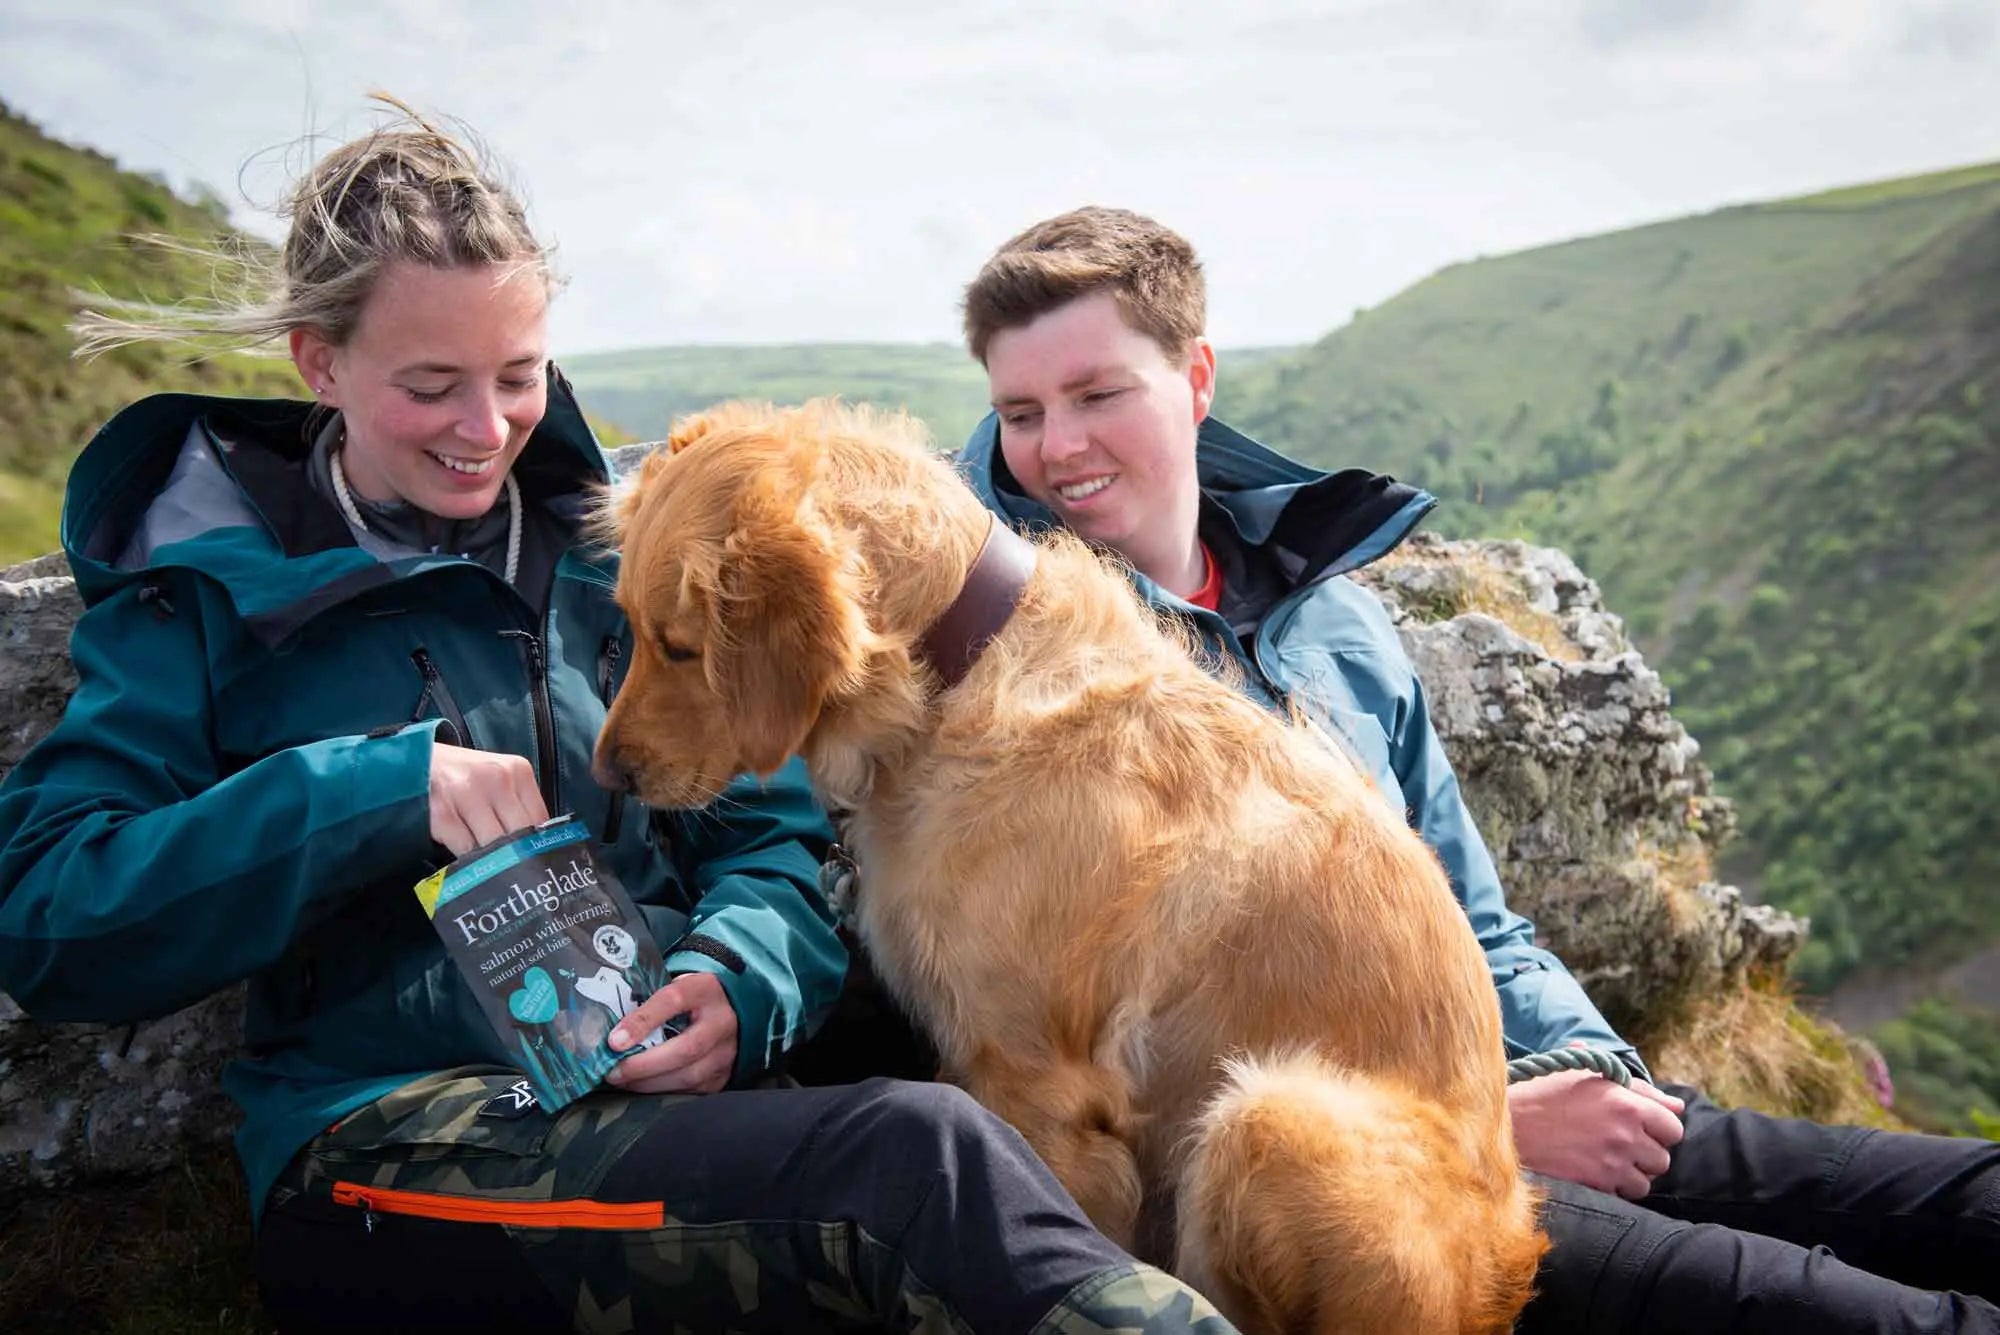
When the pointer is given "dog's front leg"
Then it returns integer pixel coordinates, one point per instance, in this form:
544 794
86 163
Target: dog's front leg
1079 1119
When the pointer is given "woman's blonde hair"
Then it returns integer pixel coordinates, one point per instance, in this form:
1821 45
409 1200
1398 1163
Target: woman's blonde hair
409 191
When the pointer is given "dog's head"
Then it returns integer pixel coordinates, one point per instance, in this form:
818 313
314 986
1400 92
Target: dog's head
746 619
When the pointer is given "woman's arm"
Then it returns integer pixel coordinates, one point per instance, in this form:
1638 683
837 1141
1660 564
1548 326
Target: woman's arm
135 878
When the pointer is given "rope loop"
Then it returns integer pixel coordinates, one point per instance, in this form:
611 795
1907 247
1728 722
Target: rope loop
1569 1059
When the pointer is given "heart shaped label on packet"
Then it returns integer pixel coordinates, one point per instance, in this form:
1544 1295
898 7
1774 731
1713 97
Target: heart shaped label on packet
534 1001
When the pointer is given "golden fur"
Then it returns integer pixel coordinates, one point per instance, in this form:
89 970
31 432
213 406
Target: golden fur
1190 951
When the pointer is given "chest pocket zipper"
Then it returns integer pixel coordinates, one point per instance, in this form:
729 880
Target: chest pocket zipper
439 694
608 655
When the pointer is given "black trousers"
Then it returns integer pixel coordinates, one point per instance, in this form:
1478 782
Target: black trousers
1774 1224
880 1206
1760 1224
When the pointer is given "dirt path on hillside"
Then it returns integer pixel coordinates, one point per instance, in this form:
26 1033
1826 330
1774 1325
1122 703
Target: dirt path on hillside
1865 1000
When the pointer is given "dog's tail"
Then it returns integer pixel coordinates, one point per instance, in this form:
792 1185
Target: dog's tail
1315 1199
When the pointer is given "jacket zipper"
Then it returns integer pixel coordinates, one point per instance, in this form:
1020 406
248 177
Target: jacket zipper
440 695
545 715
521 1214
607 671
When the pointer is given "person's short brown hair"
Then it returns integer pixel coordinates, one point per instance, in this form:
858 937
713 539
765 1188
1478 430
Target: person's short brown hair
1151 270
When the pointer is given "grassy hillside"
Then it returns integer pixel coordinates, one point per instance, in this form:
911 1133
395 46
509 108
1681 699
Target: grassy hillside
65 216
643 390
1773 433
1499 377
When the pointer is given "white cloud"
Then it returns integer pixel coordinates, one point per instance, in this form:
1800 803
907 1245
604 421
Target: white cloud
800 170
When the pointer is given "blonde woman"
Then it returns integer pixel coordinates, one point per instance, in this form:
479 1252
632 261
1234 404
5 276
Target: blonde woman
330 644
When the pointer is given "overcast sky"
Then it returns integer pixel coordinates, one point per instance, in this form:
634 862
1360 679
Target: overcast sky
777 171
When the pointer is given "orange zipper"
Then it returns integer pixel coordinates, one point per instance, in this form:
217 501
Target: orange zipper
522 1214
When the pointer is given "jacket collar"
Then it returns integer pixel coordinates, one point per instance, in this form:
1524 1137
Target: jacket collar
1314 522
278 546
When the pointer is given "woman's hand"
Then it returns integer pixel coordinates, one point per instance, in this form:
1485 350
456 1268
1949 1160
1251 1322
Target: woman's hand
699 1059
478 796
1580 1127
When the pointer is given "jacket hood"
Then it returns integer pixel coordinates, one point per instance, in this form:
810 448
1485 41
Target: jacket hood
219 486
1315 522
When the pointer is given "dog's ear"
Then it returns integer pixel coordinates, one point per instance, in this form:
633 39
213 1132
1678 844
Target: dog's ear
790 632
609 508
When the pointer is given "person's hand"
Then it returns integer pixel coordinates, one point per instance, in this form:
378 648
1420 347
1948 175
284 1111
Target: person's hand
1580 1127
477 796
699 1059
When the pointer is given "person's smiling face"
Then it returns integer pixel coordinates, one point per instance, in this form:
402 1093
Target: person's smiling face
440 384
1098 423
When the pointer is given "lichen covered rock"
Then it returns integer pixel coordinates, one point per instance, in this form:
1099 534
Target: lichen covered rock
38 606
86 1101
1595 802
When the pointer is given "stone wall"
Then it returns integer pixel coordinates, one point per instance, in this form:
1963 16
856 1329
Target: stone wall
1595 801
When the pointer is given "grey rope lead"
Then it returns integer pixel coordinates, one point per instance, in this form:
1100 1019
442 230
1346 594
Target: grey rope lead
1569 1059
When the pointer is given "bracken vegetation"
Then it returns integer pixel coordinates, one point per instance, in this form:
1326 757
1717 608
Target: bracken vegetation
68 219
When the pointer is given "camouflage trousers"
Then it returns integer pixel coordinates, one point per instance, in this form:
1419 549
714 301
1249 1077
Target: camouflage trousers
457 1203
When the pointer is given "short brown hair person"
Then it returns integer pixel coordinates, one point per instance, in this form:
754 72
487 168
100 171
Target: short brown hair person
1151 270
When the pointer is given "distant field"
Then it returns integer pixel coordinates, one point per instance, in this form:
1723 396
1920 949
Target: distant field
641 391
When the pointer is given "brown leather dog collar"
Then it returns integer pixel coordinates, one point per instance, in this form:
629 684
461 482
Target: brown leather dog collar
991 591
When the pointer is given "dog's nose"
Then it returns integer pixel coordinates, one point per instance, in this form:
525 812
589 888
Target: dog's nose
612 778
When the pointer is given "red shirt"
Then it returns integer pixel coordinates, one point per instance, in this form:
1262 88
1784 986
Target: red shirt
1209 595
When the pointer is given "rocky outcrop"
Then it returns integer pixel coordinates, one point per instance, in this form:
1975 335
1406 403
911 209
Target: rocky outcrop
89 1100
80 1101
1595 801
38 605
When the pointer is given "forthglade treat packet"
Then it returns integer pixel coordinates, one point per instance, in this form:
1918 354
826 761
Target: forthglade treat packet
550 944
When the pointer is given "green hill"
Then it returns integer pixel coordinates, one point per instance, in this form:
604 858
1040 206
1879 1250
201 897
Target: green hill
66 216
643 390
1773 433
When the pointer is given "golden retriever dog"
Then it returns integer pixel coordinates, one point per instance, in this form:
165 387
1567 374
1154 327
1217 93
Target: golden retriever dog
1188 949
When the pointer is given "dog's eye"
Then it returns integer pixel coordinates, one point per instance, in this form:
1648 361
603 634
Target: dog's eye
678 653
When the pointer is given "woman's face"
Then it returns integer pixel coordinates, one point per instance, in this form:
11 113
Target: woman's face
440 384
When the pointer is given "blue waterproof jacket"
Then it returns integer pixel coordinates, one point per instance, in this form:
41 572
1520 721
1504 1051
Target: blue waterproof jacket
1328 646
240 786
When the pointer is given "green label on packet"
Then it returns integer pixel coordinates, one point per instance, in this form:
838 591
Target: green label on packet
552 947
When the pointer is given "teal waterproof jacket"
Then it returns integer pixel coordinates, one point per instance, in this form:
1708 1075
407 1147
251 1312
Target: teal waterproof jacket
1328 646
239 787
